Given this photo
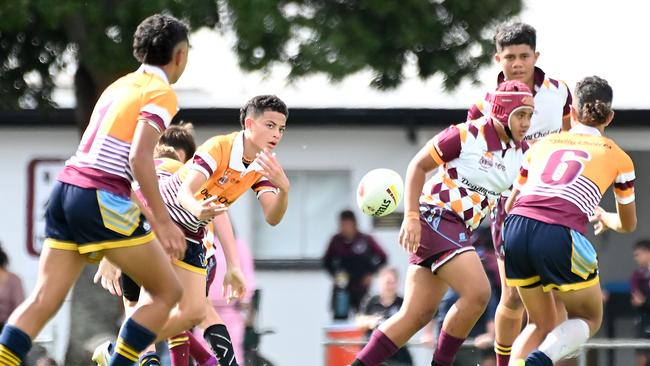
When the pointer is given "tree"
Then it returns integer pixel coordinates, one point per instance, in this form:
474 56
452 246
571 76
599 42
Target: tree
336 37
39 37
340 37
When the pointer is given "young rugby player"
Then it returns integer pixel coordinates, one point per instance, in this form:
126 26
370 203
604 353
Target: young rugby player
559 188
90 215
479 160
516 54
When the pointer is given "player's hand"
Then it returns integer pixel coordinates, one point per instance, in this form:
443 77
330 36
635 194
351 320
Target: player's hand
637 298
171 238
409 234
599 223
272 170
206 210
109 276
234 284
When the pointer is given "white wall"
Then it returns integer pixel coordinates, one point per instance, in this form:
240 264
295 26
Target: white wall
293 303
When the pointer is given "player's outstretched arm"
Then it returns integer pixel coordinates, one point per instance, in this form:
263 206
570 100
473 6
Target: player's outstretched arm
141 160
234 284
274 205
421 164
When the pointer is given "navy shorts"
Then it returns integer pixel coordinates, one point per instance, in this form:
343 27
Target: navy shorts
550 255
91 220
194 259
443 236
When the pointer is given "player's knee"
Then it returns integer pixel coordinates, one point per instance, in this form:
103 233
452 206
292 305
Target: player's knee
481 296
193 315
510 299
170 294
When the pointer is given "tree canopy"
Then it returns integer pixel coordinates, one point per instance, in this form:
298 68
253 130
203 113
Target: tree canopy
452 38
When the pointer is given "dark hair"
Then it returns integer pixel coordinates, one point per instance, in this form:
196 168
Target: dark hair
642 244
515 34
593 100
260 104
4 260
180 137
347 215
155 38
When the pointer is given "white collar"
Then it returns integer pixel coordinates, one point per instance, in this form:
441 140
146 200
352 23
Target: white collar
237 157
151 69
579 128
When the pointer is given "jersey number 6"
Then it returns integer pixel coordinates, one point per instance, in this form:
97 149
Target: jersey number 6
564 166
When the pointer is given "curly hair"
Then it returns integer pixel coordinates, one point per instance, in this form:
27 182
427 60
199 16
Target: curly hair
260 104
593 100
155 38
515 34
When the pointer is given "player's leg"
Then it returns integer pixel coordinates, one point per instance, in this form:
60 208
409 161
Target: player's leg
190 310
540 321
422 294
585 311
163 292
58 271
507 319
218 337
465 274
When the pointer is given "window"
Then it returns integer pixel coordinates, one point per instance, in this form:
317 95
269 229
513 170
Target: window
315 200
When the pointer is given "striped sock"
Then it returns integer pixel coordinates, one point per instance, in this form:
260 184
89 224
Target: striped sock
503 353
14 345
179 349
133 339
219 339
149 359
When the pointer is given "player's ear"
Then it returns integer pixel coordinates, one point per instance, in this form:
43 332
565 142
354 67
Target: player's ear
536 54
497 58
248 122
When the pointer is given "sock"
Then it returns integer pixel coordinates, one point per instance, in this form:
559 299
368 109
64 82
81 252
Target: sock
218 338
14 345
446 349
179 350
378 349
565 339
150 359
538 358
133 339
200 354
503 353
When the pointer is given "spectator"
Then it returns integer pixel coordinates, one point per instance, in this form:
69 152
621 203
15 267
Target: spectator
352 258
639 295
11 289
378 308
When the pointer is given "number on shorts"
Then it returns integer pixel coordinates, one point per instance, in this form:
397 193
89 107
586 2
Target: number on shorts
564 166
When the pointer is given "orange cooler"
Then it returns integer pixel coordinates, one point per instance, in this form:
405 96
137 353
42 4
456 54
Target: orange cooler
342 355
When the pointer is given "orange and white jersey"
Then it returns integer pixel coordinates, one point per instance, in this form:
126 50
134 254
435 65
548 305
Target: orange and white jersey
102 159
220 159
565 175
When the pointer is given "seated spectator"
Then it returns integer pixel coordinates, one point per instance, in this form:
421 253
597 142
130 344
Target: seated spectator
639 295
11 289
378 308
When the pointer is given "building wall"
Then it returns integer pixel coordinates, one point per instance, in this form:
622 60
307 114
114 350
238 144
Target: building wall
294 303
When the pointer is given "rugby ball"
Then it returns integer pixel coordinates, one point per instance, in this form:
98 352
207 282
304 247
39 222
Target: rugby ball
379 192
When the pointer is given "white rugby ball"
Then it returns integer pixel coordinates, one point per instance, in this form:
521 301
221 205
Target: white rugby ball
379 192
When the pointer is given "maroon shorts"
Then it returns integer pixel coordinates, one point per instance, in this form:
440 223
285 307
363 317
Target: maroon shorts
497 217
443 236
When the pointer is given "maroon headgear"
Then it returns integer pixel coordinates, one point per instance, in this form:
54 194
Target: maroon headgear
510 96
